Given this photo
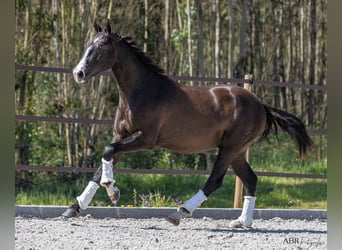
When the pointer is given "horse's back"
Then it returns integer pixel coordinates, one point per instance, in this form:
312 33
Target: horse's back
201 116
223 102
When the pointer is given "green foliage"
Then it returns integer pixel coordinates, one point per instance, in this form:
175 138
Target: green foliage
172 190
292 193
281 156
150 159
155 199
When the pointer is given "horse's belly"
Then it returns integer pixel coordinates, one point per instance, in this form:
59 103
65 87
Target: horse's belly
187 149
189 143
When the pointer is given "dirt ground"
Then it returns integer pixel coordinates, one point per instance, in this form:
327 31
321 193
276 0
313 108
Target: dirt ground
155 233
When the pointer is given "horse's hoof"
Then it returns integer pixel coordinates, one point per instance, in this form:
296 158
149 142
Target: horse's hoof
238 224
113 193
173 220
72 211
175 217
235 224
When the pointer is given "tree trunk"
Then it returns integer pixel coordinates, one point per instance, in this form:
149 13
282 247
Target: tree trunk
275 56
243 30
231 39
312 72
189 40
240 67
180 26
217 37
200 41
145 24
166 34
109 11
281 58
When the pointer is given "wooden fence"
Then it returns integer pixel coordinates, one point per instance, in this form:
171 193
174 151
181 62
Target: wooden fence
158 171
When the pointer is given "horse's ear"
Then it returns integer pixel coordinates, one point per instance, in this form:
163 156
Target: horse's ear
97 26
109 26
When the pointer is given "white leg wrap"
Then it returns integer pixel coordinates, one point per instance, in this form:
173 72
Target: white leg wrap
195 201
107 172
85 198
246 217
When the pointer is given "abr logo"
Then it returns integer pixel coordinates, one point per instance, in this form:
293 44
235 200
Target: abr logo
291 241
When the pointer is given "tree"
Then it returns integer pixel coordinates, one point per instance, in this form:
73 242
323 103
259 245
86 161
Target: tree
200 40
188 10
217 8
274 40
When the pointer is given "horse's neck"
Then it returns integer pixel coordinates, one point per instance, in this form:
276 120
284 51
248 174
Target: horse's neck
134 78
129 72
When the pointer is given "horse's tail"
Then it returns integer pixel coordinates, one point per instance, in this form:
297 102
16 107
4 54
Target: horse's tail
290 124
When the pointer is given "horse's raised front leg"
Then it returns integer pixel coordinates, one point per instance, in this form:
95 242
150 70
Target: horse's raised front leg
214 182
107 178
135 142
104 174
104 178
249 180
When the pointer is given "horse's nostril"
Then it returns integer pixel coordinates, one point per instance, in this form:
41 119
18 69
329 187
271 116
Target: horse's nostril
80 74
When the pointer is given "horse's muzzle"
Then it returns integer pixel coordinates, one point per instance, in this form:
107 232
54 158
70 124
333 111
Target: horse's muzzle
79 75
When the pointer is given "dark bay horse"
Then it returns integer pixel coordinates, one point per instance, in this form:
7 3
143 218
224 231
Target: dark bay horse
154 111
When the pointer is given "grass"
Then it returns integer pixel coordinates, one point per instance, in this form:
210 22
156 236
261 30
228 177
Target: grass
272 192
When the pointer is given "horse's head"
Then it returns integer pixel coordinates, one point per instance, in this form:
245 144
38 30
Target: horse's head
99 54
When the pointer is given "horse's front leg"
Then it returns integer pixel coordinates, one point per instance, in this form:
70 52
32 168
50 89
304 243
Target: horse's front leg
104 174
134 142
103 178
83 200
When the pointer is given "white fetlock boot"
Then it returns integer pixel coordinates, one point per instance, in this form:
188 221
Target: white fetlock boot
186 210
246 217
87 195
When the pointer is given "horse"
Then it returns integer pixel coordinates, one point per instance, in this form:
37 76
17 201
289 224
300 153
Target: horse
155 111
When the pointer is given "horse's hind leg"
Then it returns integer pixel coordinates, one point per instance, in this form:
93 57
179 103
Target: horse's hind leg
214 182
249 180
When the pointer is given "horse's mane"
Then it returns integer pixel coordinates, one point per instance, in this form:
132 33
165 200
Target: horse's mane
143 57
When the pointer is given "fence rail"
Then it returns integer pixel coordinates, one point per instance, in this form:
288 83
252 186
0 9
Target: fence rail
187 78
157 171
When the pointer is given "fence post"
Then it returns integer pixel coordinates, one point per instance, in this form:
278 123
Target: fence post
238 184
